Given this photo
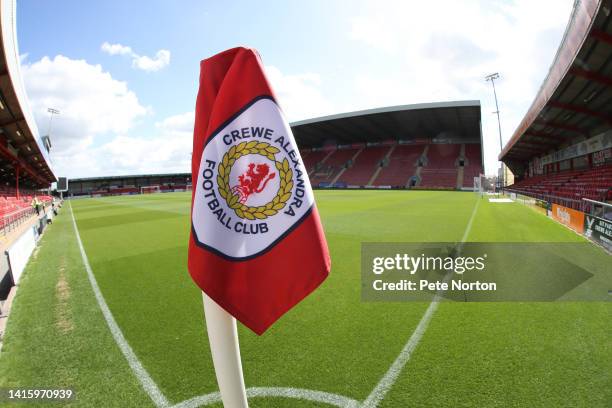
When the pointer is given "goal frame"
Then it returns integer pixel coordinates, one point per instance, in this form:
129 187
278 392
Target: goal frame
150 189
483 187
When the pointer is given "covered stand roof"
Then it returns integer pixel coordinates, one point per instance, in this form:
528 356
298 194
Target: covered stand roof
575 99
20 143
454 120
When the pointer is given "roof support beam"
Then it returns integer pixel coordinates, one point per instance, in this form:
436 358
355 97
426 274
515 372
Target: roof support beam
557 125
10 121
590 75
581 109
545 135
538 143
601 36
525 149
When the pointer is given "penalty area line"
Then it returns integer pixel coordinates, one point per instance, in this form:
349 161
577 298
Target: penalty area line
387 381
139 371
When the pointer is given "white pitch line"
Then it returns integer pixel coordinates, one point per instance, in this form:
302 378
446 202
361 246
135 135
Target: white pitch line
387 381
379 392
139 371
279 392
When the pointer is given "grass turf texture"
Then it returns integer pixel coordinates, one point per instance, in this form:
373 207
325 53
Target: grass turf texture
473 354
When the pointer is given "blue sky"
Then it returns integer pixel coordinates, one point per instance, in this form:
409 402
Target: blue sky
127 110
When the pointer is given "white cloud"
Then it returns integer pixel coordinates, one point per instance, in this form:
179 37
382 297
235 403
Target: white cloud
142 62
164 153
91 102
116 49
167 151
439 51
299 95
162 58
409 52
178 123
94 134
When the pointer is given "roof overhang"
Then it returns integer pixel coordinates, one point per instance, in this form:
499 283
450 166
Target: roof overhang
575 100
458 120
20 142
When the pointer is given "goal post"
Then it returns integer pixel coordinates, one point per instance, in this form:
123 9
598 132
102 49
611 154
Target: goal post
478 185
485 185
149 189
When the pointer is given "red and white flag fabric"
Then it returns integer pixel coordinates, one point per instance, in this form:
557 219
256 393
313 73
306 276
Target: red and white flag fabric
256 247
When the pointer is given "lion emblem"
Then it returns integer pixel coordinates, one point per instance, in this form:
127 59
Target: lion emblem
253 181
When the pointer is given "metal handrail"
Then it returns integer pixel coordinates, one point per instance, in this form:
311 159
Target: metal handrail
582 206
598 202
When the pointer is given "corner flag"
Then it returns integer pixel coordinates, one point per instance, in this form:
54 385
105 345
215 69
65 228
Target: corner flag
256 247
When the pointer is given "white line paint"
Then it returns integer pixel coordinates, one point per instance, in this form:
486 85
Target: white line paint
387 381
468 228
153 390
279 392
139 371
379 392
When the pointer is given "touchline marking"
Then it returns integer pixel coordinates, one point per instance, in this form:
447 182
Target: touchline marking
387 381
158 398
141 374
151 387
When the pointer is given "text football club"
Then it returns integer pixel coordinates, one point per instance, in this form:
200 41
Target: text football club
251 181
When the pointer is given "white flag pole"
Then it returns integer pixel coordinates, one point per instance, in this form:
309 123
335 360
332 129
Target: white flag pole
225 350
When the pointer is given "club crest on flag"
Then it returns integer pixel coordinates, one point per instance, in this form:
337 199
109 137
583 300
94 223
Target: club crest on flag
251 183
252 194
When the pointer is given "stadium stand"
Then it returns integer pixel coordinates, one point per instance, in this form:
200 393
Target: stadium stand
313 158
364 167
380 148
327 171
440 166
472 163
573 185
127 185
561 151
401 166
25 168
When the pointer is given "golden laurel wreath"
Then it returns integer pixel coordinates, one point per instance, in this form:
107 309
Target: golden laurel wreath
284 171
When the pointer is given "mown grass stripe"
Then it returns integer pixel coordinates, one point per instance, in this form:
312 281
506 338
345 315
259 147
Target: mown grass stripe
139 371
387 381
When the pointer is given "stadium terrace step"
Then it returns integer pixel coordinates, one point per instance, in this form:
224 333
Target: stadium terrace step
313 158
595 184
395 166
401 166
472 163
332 165
364 166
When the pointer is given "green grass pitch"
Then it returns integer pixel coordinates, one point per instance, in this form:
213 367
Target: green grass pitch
472 354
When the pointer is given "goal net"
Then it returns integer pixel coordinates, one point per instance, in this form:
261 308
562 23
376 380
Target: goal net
149 189
485 185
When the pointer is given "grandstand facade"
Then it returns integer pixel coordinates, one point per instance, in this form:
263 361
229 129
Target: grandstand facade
561 152
128 185
25 166
426 146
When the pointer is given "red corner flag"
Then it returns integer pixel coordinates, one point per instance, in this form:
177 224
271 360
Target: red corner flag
257 247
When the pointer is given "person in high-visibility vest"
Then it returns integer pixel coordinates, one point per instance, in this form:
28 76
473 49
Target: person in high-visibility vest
37 205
